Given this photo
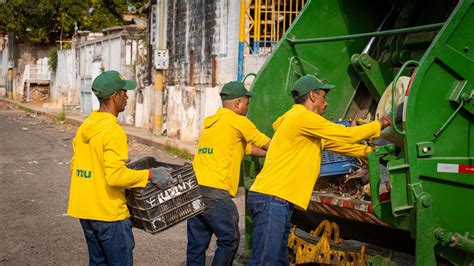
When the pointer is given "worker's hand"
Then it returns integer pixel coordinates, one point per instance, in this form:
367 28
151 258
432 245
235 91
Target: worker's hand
160 177
385 122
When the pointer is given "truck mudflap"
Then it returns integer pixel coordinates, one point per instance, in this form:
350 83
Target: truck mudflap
345 207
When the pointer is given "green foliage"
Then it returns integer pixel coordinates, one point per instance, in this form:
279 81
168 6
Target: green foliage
53 58
62 115
178 152
46 21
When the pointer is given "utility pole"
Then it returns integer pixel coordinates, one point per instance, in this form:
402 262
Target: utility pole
160 62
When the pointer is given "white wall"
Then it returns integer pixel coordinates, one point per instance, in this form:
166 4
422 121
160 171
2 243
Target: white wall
252 64
64 90
186 108
228 28
3 66
3 71
120 51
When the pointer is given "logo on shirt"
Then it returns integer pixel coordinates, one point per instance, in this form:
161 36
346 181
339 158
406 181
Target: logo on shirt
205 150
83 173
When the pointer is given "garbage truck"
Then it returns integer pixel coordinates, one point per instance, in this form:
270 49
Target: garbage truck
411 59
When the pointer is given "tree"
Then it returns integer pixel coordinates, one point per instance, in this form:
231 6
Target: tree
45 21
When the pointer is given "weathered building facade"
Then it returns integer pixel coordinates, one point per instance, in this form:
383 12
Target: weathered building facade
119 48
209 43
202 41
195 46
3 62
31 75
24 69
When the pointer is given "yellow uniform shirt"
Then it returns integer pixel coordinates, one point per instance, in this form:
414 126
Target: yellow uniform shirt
99 175
224 139
294 157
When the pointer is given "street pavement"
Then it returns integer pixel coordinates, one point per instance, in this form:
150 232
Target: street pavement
35 155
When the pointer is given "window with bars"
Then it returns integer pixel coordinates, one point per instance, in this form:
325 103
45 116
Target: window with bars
266 21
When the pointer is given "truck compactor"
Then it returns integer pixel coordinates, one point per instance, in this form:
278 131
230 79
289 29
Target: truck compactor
411 57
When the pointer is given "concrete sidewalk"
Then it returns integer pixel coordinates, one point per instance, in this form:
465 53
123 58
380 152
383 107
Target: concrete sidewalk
138 135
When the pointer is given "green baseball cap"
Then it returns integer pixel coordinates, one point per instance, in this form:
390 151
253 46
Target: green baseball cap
109 82
308 83
234 89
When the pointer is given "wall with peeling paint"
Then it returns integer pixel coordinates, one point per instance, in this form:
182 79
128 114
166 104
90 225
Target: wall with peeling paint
27 55
144 94
3 62
203 50
63 83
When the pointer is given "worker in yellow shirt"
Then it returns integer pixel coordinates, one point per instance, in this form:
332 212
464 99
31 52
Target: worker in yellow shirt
100 176
226 137
292 166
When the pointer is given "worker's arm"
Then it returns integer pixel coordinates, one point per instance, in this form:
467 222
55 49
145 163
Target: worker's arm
115 156
250 133
256 151
346 149
267 145
316 126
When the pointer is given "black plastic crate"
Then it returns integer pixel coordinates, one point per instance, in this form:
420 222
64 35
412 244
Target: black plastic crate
155 210
150 162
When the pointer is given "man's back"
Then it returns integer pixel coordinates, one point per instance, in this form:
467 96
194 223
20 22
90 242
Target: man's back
100 153
221 147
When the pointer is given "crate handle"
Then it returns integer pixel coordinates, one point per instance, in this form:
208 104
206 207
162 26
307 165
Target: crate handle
179 177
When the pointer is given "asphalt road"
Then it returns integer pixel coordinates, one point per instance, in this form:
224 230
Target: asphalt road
35 154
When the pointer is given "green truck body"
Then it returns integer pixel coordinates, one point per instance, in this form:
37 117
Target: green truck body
362 47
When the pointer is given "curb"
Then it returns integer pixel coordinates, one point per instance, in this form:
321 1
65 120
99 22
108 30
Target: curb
51 115
158 142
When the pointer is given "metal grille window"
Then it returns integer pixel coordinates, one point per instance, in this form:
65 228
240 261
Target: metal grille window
265 21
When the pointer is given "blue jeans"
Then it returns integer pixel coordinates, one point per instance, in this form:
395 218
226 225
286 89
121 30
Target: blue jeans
271 227
109 243
220 218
